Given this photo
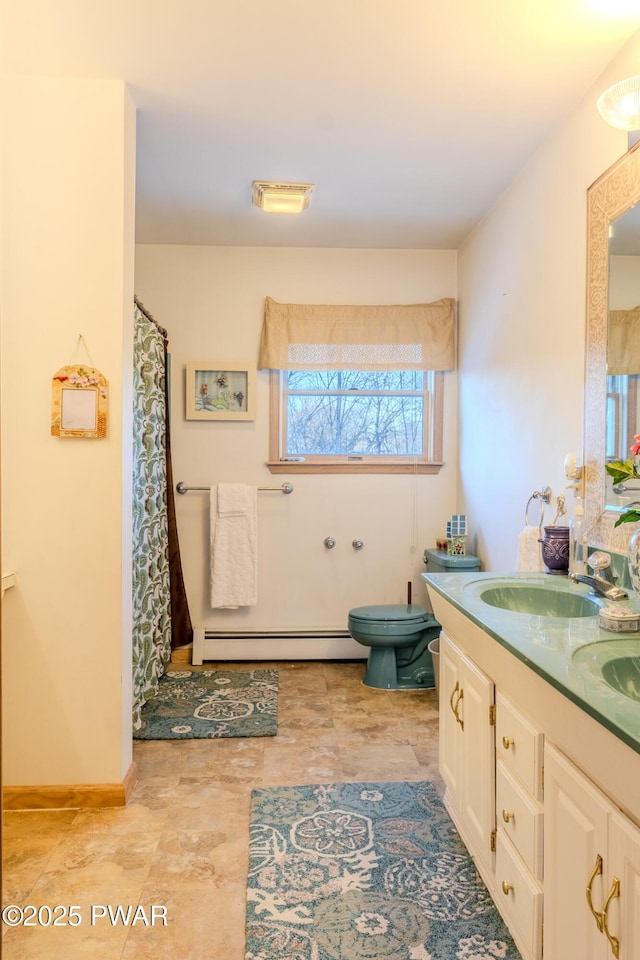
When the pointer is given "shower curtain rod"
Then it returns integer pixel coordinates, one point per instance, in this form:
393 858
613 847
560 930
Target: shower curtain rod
285 488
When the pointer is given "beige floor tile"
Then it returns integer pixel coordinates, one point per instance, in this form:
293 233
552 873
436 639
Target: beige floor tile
386 762
203 923
98 942
182 842
29 839
286 764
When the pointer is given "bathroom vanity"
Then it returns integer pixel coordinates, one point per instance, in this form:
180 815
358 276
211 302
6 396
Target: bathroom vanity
540 754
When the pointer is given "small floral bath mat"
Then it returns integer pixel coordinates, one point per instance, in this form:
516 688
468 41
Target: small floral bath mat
365 871
202 704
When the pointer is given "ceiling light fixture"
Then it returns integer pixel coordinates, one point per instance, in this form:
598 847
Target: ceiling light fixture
620 104
282 197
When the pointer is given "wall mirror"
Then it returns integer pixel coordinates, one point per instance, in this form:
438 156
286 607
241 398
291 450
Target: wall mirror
612 388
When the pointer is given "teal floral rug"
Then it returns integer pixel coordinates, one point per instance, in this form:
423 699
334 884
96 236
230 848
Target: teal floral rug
200 704
365 871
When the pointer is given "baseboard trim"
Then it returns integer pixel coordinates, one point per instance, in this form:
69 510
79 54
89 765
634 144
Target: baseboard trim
70 796
277 647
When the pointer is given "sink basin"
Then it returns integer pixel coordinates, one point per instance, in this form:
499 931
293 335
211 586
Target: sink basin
617 662
623 674
540 600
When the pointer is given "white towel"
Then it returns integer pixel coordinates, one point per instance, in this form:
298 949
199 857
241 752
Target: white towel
529 550
234 499
233 545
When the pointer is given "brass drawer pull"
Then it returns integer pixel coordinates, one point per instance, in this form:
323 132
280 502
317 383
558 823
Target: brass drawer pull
614 892
453 693
506 742
506 887
458 718
506 816
457 689
596 872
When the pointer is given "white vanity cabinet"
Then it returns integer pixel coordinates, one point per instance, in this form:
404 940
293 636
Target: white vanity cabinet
592 869
519 819
467 747
551 834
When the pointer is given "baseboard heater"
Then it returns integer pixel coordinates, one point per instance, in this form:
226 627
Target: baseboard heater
275 645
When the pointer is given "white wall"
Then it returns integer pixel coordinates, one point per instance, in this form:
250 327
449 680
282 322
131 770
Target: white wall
522 281
67 268
211 300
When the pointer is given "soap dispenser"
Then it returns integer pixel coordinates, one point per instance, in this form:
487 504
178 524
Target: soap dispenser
578 541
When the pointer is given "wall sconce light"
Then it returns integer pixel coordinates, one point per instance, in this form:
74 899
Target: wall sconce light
620 104
282 197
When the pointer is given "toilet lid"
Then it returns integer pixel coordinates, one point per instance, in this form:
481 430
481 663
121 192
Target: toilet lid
390 611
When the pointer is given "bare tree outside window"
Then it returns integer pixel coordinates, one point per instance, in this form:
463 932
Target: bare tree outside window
356 413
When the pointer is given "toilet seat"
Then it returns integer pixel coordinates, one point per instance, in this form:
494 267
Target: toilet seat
392 625
397 612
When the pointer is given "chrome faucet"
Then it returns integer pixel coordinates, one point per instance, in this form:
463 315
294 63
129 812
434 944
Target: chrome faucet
602 582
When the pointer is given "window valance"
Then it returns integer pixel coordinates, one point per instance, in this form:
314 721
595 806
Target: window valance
623 342
301 336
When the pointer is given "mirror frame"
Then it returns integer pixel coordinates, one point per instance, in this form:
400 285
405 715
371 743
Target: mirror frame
611 195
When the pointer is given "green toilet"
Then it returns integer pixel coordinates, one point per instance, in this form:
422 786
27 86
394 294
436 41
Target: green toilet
398 636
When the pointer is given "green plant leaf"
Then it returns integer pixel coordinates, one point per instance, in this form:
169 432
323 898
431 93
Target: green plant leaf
629 516
620 470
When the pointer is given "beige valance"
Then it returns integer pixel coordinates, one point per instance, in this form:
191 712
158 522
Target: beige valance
623 342
302 336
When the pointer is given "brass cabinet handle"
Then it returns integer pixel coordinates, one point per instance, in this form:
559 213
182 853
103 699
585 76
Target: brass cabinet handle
506 742
458 718
613 893
506 816
506 887
453 693
457 689
596 872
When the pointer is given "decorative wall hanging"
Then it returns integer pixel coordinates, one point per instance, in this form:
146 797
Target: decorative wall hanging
220 391
79 400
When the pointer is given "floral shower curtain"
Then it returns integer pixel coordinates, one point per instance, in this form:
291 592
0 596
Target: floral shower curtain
158 589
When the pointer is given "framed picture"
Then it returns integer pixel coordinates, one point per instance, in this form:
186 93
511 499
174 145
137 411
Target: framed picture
79 403
220 391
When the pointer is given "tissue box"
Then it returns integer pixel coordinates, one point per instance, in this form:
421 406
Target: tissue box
457 546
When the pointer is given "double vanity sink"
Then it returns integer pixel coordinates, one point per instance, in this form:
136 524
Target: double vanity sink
551 624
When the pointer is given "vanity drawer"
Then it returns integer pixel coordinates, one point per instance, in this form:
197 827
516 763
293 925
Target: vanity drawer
519 744
520 896
520 817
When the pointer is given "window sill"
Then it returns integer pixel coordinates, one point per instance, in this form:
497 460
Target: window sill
352 466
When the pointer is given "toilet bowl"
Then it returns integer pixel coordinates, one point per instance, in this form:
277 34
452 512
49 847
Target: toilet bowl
398 636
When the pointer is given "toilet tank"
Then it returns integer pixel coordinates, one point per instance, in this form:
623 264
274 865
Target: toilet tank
439 561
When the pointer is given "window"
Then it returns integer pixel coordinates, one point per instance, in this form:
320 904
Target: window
357 389
356 421
623 397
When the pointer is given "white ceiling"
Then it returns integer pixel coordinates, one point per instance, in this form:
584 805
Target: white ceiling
409 116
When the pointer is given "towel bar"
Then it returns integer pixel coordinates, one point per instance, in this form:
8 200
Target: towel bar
285 488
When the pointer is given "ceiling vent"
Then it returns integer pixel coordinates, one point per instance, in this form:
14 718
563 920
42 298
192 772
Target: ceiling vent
282 197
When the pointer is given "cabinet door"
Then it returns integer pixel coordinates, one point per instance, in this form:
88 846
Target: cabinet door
622 920
450 730
575 867
478 792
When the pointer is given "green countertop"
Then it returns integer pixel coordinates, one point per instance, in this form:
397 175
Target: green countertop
550 645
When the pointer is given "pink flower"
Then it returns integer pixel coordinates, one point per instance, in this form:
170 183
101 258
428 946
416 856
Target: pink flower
635 448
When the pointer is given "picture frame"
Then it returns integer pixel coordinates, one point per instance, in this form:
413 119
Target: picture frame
79 402
220 390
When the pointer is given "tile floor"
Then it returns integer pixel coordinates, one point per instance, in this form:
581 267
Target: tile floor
181 843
